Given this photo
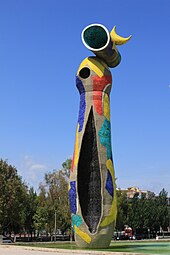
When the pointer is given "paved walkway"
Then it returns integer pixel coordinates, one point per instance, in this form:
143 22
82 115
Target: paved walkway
21 250
15 250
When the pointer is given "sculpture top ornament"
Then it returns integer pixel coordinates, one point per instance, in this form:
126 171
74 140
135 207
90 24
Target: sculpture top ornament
92 188
97 38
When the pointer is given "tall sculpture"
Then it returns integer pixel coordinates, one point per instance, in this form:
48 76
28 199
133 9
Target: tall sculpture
92 189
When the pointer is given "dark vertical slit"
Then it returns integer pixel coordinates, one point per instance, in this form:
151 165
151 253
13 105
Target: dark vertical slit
89 179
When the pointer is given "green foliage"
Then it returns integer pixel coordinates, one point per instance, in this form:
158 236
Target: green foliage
66 167
162 209
21 209
13 194
40 218
143 213
30 210
122 209
53 197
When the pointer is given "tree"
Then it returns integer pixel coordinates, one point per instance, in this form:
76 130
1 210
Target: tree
163 213
122 210
53 197
40 219
151 214
30 210
133 212
41 216
13 193
67 167
145 215
57 191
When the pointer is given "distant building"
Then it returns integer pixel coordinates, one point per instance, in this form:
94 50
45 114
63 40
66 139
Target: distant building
130 192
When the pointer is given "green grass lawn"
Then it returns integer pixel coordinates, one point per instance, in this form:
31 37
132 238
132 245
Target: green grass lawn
119 246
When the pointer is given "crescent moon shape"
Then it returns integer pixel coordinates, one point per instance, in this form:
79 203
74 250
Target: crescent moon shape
119 40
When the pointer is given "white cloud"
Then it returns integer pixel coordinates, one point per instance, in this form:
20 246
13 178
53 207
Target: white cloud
32 172
37 167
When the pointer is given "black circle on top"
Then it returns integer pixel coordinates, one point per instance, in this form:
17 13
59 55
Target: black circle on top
84 72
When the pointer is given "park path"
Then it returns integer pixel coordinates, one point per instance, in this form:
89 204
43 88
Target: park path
18 250
21 250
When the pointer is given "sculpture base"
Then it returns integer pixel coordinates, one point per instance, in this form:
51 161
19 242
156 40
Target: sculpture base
100 240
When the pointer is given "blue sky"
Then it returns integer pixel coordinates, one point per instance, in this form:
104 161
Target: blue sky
40 52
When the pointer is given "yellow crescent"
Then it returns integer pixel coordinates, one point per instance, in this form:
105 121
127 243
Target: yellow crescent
119 40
